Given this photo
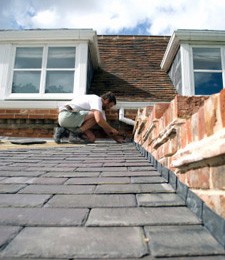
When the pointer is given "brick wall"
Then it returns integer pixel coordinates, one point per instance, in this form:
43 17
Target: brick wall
41 122
188 136
27 122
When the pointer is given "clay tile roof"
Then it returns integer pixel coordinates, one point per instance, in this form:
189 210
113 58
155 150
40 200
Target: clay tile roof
130 67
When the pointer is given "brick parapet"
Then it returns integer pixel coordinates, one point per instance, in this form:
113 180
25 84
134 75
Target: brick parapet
189 138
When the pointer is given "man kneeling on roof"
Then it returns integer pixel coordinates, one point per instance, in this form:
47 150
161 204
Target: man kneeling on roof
81 114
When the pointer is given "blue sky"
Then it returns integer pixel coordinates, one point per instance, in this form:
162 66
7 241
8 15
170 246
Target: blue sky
134 17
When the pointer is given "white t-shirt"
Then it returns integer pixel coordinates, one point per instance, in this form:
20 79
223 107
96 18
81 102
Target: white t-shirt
86 102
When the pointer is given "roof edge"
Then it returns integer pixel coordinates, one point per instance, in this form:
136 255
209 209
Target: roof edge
40 35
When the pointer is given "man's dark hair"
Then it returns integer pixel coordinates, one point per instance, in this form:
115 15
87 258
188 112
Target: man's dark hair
110 96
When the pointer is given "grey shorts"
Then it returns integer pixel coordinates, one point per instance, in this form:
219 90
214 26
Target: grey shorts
71 120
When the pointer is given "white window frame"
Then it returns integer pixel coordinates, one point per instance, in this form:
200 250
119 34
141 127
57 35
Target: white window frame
80 73
188 84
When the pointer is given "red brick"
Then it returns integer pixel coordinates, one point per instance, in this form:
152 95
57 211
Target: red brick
210 114
218 177
189 131
194 127
222 106
201 123
198 178
215 201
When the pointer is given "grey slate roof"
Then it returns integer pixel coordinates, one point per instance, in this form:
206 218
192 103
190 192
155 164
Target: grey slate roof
96 201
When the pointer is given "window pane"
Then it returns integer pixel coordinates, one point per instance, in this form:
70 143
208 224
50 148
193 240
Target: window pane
28 58
207 58
61 57
26 82
59 82
208 83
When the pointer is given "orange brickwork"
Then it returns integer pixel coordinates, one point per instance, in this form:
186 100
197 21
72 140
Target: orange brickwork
41 122
189 138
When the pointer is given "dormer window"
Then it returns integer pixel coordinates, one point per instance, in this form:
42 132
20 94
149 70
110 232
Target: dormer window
44 69
47 64
195 63
207 69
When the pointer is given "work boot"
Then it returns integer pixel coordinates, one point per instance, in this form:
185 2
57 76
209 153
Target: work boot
77 138
74 138
59 133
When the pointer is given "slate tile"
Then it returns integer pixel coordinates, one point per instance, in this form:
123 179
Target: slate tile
11 180
42 216
194 203
100 180
133 188
71 174
139 160
214 223
12 168
7 233
10 188
43 180
208 257
157 200
182 190
71 242
22 200
114 164
91 201
81 164
165 173
141 168
141 216
129 173
50 169
58 189
104 169
168 241
147 179
21 174
138 164
172 179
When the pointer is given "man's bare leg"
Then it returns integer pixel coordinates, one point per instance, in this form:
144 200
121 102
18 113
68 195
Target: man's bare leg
89 122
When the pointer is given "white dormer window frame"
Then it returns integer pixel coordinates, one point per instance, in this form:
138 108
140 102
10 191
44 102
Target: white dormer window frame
79 71
188 72
47 82
43 73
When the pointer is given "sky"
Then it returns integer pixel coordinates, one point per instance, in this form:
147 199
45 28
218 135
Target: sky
120 17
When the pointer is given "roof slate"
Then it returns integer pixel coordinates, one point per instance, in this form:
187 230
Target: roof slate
130 67
103 201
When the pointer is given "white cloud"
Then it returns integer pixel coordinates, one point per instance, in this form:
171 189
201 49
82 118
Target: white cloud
113 16
46 18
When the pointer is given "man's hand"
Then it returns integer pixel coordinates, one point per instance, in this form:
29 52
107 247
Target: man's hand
113 132
120 138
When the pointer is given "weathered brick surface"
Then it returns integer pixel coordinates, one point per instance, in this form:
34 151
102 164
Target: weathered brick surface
222 106
189 138
218 177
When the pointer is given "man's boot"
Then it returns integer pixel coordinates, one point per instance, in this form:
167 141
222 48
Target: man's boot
75 138
59 133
